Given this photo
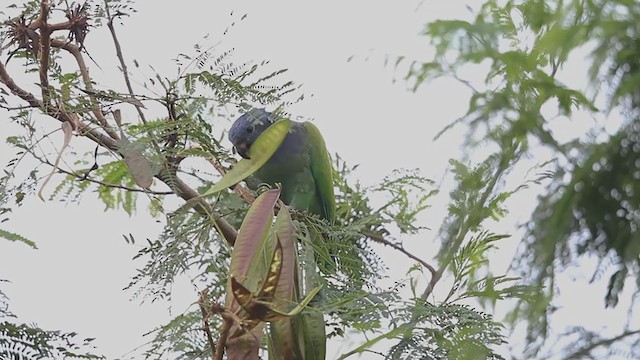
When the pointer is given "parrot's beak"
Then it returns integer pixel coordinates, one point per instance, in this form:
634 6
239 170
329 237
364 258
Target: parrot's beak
243 149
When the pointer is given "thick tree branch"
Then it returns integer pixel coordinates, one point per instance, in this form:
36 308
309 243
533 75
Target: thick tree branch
17 90
59 114
63 25
222 339
187 193
44 50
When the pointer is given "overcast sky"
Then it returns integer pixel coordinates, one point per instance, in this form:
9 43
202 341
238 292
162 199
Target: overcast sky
73 281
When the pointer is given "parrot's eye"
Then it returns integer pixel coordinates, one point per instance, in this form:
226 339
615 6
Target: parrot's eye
250 129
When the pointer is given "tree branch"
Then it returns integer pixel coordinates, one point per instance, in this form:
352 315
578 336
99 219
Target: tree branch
125 72
187 193
605 342
179 187
100 182
204 304
6 79
123 64
222 339
74 50
380 239
59 114
464 226
44 49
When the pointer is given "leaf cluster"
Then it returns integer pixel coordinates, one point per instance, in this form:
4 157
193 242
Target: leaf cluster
172 151
21 341
587 208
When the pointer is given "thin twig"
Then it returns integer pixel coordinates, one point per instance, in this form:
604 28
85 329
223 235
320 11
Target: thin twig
123 64
125 73
76 52
188 193
605 342
100 182
203 302
464 82
380 239
13 108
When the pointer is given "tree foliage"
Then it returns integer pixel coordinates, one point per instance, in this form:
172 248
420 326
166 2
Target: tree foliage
173 147
523 52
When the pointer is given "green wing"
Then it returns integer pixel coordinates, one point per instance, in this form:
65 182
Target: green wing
322 170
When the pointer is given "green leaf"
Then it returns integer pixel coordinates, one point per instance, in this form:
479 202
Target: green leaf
312 325
398 332
282 333
296 310
15 237
261 150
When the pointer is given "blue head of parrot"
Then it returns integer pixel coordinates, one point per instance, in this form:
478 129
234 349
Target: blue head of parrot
246 129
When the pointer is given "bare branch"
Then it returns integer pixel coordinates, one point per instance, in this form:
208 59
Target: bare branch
204 304
229 319
123 64
605 342
82 177
125 72
380 239
222 339
60 26
12 108
84 72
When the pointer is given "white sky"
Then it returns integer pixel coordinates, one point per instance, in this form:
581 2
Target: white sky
73 281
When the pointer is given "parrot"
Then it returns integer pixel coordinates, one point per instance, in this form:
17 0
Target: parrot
301 164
